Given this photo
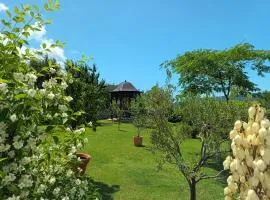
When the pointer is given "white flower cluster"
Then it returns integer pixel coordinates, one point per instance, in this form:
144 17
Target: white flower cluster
250 164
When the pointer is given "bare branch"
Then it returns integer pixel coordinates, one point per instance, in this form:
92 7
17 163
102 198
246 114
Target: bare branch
210 177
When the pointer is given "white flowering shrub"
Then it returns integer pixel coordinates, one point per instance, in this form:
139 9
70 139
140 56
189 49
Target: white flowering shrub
35 163
250 163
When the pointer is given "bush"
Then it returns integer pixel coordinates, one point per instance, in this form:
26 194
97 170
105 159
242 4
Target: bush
35 163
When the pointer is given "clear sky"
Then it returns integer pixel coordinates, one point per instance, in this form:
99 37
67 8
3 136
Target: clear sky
129 39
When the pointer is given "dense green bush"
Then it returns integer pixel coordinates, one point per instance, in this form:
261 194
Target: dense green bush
34 162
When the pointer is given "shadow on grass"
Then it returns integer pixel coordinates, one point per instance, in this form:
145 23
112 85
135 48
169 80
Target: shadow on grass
218 166
106 191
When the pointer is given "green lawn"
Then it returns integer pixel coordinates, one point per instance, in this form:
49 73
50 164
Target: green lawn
123 171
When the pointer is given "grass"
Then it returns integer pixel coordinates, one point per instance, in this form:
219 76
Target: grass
123 171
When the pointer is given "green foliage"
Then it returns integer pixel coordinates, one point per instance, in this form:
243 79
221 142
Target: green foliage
89 93
36 164
209 118
205 71
139 113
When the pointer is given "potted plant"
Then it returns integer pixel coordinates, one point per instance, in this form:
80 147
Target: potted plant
84 160
139 113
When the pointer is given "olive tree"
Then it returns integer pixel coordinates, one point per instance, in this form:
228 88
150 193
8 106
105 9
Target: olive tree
209 116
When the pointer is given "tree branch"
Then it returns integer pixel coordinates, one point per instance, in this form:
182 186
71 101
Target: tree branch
209 177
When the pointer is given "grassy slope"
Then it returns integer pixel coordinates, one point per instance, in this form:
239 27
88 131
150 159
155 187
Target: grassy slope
125 172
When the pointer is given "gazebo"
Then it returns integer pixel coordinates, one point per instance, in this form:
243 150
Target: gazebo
123 95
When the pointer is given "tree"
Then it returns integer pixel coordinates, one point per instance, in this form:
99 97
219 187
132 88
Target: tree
138 111
208 116
35 162
116 111
41 66
205 71
89 93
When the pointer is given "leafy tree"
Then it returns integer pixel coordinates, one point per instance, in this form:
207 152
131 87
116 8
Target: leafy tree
89 93
209 116
35 162
205 71
116 111
42 67
138 111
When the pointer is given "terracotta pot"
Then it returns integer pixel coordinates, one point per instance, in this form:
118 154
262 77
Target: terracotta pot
138 141
85 158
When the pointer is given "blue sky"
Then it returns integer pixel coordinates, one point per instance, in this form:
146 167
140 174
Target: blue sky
129 39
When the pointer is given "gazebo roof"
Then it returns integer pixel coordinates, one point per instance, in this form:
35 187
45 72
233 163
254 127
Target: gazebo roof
125 87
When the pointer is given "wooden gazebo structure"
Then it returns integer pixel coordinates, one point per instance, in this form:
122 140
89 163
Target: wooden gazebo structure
123 95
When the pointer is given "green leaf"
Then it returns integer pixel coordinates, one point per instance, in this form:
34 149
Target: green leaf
55 139
46 6
36 8
16 10
49 128
18 19
2 159
3 81
20 96
44 45
26 34
8 14
32 13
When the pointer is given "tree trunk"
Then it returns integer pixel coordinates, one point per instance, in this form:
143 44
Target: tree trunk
192 189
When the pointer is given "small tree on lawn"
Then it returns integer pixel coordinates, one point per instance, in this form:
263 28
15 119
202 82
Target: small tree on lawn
139 113
205 115
116 111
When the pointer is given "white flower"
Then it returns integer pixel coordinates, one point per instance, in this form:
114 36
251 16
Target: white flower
261 165
227 191
68 98
251 112
79 145
25 181
11 154
18 144
52 180
4 147
64 85
52 70
25 160
31 92
255 127
265 123
262 133
227 162
85 140
9 178
64 115
73 149
18 76
251 195
42 91
78 181
14 197
31 78
3 86
69 173
238 125
41 188
13 117
51 96
56 191
63 108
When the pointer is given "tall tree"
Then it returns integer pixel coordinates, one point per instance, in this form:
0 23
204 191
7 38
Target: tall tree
206 71
89 92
